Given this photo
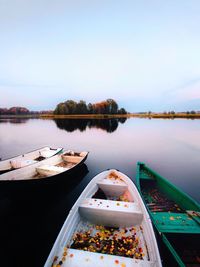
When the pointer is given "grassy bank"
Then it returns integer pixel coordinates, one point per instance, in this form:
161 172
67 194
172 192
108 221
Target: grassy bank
85 116
132 115
167 116
106 116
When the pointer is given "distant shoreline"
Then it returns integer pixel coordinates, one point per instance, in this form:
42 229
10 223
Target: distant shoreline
105 116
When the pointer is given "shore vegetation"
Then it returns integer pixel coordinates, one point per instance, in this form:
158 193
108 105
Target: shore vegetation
107 109
71 107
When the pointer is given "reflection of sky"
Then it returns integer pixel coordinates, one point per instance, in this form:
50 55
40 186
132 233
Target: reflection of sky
169 146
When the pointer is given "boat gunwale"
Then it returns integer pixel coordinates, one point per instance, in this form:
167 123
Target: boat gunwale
163 234
31 151
51 177
138 179
60 149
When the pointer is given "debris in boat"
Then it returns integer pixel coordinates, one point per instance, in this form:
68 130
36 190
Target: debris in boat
107 240
65 164
40 158
114 175
72 153
123 198
158 201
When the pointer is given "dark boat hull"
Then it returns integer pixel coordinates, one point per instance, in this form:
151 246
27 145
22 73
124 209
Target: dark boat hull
50 181
32 215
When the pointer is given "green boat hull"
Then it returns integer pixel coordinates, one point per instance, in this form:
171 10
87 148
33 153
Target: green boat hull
175 215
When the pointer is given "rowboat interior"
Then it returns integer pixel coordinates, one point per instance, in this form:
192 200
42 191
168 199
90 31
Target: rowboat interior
108 227
63 163
52 166
176 219
28 159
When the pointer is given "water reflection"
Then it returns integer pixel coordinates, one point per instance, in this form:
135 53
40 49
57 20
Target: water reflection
36 207
170 147
14 120
108 125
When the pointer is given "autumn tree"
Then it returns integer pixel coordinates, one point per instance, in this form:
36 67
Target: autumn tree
122 111
90 108
81 107
112 106
108 106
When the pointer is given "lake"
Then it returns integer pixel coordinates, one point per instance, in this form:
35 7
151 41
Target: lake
31 220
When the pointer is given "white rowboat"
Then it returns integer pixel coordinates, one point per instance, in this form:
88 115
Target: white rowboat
28 158
108 226
60 164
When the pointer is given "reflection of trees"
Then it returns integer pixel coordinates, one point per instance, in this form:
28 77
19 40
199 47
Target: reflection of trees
122 120
109 125
70 125
14 120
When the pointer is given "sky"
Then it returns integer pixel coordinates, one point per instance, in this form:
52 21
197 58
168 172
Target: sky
144 54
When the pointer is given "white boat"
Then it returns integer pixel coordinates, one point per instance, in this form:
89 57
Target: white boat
51 167
28 158
108 226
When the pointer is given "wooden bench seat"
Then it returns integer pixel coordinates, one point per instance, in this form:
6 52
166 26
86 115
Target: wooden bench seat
113 188
82 258
111 213
47 170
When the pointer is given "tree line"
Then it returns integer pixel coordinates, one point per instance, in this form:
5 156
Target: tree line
22 111
14 111
108 106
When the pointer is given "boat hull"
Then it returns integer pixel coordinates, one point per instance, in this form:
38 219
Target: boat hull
93 208
27 159
170 211
12 185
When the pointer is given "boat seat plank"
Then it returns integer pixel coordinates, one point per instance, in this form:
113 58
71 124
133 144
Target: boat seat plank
111 187
169 222
82 258
111 213
50 170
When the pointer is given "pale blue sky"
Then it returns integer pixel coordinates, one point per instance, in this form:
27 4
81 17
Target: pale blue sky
145 54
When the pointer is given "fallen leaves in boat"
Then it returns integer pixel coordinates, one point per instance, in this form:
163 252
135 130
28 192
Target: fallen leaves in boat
57 262
107 240
123 198
40 158
114 175
65 164
158 201
72 153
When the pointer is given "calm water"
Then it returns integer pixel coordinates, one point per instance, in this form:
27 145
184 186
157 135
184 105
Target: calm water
30 221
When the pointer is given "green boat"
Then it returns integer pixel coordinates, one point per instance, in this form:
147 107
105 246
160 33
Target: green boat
175 215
